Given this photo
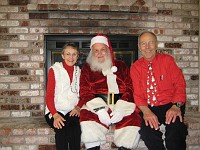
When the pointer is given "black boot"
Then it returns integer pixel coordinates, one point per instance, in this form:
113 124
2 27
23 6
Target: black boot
94 148
123 148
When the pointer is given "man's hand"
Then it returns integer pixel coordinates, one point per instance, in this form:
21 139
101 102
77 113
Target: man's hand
149 117
58 121
172 113
104 117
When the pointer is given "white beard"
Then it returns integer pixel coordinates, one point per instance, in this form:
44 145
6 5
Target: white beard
99 66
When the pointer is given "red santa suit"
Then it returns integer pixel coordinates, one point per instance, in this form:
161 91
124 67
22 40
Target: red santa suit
116 81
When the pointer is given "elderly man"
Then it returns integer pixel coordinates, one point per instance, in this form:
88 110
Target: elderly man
159 92
106 98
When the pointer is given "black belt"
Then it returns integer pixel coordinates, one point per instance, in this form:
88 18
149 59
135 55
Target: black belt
109 98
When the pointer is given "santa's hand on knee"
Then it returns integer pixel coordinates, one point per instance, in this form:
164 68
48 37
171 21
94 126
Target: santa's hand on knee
117 116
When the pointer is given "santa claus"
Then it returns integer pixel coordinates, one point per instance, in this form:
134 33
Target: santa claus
106 97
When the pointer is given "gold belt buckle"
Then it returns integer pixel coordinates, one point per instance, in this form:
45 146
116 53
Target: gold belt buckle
110 99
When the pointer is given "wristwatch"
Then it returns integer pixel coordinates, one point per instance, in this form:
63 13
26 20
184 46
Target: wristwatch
178 104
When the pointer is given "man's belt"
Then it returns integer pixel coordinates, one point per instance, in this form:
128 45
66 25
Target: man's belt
109 98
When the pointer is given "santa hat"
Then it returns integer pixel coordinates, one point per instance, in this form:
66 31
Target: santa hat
102 38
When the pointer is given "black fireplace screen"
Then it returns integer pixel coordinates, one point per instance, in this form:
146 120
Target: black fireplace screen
124 47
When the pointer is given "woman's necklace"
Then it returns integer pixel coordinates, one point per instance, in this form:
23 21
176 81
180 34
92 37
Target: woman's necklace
75 90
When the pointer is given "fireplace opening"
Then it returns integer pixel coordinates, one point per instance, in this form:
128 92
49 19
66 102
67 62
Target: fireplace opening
124 47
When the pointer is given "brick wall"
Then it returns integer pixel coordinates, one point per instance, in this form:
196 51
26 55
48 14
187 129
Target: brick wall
24 23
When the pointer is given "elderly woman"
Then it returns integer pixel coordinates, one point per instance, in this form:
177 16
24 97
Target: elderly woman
62 95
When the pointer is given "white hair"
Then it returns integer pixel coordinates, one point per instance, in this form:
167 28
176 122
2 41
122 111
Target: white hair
99 66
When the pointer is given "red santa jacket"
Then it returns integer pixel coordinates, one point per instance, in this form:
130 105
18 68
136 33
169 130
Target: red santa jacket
94 82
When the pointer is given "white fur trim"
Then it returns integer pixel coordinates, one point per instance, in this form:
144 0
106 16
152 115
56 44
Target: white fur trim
96 103
114 69
106 72
111 80
93 132
99 39
127 137
128 107
112 83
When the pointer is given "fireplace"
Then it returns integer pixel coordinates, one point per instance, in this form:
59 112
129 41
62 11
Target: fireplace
124 47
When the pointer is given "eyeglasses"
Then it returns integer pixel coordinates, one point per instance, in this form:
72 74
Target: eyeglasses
149 43
71 55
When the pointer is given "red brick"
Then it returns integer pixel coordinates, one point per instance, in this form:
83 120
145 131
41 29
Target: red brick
190 32
32 131
18 72
23 9
3 30
79 30
10 107
192 140
47 147
139 3
134 9
104 8
30 107
73 7
18 2
158 31
18 131
89 23
30 51
195 77
24 23
5 132
19 100
165 51
9 65
144 9
8 37
191 109
42 7
53 7
135 17
9 93
36 140
37 113
4 58
38 16
16 140
28 79
42 65
47 7
94 7
173 45
135 31
164 12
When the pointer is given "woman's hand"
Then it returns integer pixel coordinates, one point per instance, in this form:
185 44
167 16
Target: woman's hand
58 121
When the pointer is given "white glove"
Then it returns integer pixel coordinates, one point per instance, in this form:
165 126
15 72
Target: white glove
117 116
104 117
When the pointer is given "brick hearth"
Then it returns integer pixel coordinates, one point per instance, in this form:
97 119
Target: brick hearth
35 134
